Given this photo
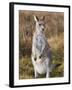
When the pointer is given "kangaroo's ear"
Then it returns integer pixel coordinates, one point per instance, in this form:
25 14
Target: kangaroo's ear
36 18
43 17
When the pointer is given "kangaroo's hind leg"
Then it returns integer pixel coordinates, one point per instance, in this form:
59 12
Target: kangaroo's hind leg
48 72
34 64
48 68
36 74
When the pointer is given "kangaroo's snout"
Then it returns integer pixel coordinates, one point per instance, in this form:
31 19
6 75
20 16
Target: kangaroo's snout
42 29
35 59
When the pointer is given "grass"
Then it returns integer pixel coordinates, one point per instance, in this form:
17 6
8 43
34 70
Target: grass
26 68
57 45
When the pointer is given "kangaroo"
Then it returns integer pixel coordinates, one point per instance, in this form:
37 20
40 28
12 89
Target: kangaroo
41 51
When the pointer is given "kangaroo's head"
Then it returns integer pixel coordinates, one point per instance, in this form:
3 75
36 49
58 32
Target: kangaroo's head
39 24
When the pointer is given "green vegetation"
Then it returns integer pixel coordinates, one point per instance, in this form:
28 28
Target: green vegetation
26 68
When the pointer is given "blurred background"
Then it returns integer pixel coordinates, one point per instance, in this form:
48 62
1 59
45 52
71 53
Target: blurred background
54 32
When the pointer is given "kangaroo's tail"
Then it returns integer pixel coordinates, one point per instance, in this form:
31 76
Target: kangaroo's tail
54 66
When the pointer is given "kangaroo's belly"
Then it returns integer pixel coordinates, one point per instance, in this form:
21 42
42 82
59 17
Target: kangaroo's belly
41 66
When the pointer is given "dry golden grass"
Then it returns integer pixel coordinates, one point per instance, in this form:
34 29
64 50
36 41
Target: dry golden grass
26 68
56 41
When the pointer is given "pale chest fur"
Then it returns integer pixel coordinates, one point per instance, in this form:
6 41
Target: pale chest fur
37 46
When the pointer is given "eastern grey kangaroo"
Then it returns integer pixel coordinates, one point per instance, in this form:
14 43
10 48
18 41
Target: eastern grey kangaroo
41 51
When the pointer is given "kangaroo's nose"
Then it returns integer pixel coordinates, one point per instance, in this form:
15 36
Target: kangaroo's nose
43 28
35 58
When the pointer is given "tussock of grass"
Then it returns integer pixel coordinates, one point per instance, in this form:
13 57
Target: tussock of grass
25 68
57 42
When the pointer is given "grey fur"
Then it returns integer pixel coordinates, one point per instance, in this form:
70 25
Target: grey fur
41 51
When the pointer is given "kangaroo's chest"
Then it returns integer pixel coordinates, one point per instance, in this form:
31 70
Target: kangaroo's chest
38 42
